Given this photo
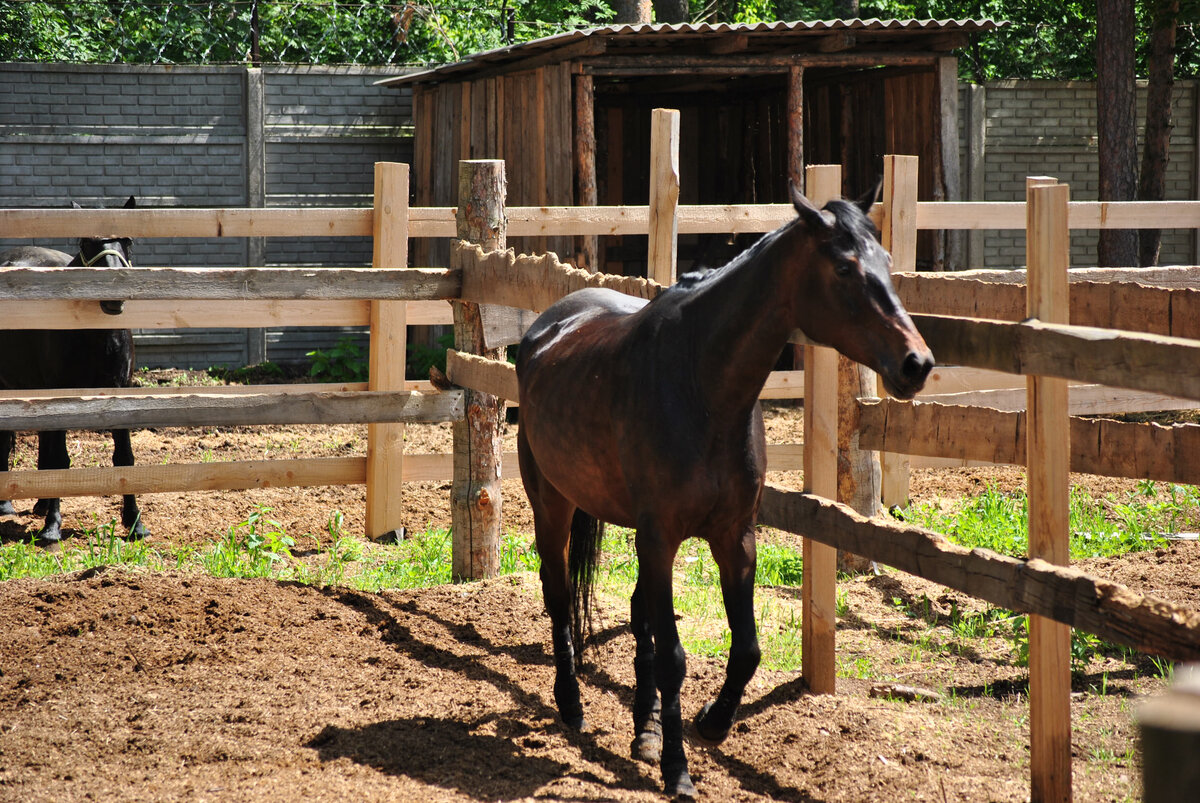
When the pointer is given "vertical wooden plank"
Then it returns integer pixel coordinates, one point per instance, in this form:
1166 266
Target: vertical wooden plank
588 245
899 235
540 147
1048 456
664 195
976 168
386 358
795 126
819 590
947 115
475 498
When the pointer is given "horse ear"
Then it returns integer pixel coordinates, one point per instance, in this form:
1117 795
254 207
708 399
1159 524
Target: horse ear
75 205
872 195
131 203
811 216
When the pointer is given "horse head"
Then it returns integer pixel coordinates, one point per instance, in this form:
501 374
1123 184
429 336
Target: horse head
851 304
106 252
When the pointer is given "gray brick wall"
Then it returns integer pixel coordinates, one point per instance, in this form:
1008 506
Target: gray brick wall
1049 128
178 137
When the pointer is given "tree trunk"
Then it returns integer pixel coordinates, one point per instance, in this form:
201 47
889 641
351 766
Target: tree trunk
632 12
671 11
1116 110
1152 184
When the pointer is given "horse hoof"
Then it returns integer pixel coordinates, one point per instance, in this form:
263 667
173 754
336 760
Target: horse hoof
578 723
647 747
138 532
706 734
681 788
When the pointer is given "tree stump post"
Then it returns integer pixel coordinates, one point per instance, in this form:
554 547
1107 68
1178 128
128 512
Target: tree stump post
475 498
1170 730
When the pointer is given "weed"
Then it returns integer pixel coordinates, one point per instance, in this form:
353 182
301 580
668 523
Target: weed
345 362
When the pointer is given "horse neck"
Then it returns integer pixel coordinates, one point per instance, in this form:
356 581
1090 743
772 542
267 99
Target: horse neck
746 312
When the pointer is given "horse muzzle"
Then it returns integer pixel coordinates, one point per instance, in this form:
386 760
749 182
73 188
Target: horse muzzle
112 307
907 381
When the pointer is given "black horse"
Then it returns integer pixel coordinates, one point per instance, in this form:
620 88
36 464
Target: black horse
646 415
53 358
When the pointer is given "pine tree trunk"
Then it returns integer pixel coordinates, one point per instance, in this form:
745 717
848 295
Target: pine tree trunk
1152 185
671 11
1116 110
631 12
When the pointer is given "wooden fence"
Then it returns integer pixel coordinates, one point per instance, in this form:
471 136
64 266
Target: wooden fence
388 297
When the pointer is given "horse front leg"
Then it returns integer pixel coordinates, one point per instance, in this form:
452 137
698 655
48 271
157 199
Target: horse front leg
736 561
647 708
131 517
655 558
8 441
52 454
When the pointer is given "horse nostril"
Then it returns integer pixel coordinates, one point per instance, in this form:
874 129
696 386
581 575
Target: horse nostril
917 366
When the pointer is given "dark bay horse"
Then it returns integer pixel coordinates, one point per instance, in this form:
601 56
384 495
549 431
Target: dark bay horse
646 415
81 358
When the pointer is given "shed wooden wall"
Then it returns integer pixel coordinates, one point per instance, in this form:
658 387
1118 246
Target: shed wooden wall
525 118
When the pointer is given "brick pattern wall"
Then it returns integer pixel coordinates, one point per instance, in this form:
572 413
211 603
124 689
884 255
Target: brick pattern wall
179 137
1049 128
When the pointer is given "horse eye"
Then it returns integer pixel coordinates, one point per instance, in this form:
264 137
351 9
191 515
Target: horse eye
844 267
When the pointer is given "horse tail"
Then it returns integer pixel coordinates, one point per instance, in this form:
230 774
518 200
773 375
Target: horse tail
583 555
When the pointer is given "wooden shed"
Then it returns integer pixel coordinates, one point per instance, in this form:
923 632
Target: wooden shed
570 114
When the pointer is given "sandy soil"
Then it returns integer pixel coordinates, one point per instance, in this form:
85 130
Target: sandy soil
120 685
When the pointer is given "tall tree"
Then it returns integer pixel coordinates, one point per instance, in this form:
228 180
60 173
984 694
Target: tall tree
632 12
1116 110
671 11
1160 64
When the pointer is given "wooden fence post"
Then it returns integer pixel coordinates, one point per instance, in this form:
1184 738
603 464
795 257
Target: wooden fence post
898 232
588 245
664 195
475 500
1048 452
819 588
386 357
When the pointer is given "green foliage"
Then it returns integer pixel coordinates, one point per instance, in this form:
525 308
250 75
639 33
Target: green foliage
256 547
248 374
345 362
422 357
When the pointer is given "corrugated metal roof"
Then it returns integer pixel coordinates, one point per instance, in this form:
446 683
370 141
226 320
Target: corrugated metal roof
760 37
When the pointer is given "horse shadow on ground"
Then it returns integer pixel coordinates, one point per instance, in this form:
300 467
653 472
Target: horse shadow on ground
451 753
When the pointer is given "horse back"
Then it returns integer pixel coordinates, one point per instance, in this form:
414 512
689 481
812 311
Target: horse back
28 256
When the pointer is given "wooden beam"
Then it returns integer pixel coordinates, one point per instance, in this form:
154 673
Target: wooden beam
227 409
1153 363
1097 446
388 352
479 373
223 284
898 234
15 314
585 166
1047 455
216 390
664 195
529 282
1067 595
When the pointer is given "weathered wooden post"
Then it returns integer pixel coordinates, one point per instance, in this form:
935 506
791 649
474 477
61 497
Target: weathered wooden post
388 350
475 498
1048 254
819 589
898 230
1170 729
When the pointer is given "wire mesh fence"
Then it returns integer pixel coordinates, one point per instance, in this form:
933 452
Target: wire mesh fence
266 32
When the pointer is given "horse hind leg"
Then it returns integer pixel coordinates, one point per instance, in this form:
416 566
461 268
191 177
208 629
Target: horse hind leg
52 454
647 707
8 440
131 516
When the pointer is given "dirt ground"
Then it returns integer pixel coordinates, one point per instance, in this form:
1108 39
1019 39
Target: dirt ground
118 684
